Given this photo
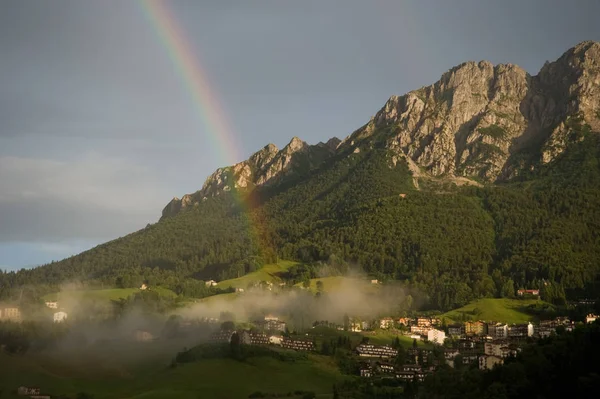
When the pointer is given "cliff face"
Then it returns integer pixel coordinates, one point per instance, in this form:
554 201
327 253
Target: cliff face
478 121
266 166
474 120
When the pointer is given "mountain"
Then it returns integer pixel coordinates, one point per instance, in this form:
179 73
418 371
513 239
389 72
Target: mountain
482 183
478 121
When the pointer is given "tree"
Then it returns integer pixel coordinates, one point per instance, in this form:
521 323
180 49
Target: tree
319 286
346 322
235 346
415 344
228 326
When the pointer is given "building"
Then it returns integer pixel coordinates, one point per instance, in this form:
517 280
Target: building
386 322
419 330
222 336
456 330
252 338
365 372
52 305
407 321
384 351
528 292
276 340
436 336
520 330
386 368
374 281
498 349
475 328
60 317
24 391
239 290
590 318
143 287
498 331
487 362
142 336
298 345
11 313
210 283
424 322
273 323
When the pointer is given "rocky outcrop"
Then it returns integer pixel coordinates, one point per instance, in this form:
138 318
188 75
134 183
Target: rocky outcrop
478 116
266 166
479 121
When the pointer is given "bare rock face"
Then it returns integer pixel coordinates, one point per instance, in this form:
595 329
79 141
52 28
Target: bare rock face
266 166
478 116
479 121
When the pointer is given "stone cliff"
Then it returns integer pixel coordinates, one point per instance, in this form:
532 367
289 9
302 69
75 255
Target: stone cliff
479 121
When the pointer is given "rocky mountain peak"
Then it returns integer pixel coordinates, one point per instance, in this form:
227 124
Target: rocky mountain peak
479 121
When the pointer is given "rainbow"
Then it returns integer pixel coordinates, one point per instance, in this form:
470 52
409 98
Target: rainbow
193 77
205 101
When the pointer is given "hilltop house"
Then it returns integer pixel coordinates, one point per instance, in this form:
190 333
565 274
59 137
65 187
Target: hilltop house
143 287
210 283
534 292
52 305
60 317
590 318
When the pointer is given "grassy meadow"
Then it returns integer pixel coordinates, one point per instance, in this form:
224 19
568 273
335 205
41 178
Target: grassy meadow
141 371
494 309
268 273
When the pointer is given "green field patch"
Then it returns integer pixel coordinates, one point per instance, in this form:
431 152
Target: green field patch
494 309
269 273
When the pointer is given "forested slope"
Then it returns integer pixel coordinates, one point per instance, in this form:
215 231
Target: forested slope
454 244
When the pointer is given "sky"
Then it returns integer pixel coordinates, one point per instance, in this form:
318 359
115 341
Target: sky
98 129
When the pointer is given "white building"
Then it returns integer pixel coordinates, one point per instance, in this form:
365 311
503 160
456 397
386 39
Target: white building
59 317
52 305
210 283
275 339
590 318
436 336
386 322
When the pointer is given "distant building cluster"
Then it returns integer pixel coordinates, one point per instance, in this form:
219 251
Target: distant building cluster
261 339
10 313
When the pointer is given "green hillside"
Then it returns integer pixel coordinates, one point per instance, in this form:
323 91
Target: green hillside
149 377
494 309
269 273
449 244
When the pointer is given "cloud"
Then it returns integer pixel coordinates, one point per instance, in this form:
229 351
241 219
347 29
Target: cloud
93 196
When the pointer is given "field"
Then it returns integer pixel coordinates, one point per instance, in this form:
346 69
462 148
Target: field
150 378
381 337
493 309
336 282
266 273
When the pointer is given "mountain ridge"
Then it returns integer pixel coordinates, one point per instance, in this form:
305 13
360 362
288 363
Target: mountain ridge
479 121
